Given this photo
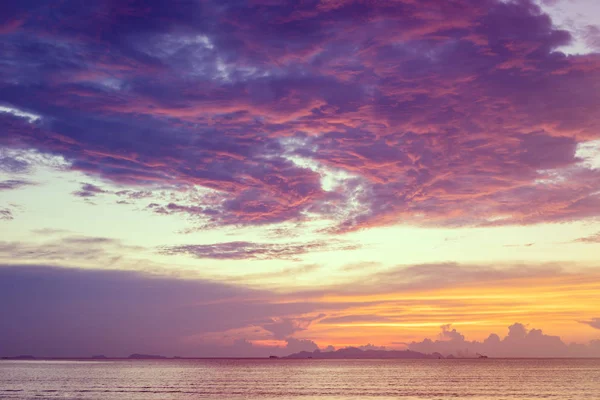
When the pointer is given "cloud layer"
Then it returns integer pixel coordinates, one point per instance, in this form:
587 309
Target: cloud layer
53 311
256 251
432 112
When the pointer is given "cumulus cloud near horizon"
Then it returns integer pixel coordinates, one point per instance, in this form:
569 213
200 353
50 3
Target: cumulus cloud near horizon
519 342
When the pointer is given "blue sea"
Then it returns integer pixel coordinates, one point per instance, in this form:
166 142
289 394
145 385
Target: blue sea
302 379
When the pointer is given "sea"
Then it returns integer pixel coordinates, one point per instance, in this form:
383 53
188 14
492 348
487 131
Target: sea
302 379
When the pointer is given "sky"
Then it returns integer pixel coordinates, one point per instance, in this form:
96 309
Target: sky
247 178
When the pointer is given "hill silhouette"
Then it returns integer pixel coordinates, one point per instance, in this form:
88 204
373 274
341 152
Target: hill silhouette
356 353
136 356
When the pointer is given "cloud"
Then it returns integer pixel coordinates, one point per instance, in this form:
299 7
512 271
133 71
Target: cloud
594 323
294 345
79 312
67 249
519 342
595 238
372 347
349 319
366 120
12 165
283 328
257 251
283 273
449 275
89 190
592 37
6 214
251 348
134 195
13 184
49 231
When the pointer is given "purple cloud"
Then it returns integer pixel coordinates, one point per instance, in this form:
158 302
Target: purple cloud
592 36
13 165
79 312
257 251
594 323
283 328
13 184
88 190
595 238
438 113
67 249
6 214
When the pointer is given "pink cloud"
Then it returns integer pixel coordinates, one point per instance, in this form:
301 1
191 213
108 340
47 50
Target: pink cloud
442 113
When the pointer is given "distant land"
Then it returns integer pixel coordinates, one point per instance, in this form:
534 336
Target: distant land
136 356
356 353
22 357
345 353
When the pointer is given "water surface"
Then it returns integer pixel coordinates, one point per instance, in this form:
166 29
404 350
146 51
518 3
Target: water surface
301 379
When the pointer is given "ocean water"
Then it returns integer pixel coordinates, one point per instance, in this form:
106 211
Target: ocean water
301 379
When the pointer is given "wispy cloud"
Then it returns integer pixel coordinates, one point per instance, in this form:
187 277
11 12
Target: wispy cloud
589 239
89 190
67 249
13 184
594 323
258 251
6 214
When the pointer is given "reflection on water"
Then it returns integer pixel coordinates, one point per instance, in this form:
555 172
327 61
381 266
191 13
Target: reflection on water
335 379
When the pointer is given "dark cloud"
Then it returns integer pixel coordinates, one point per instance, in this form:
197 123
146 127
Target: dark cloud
594 323
12 184
13 165
134 195
89 190
439 113
257 251
6 214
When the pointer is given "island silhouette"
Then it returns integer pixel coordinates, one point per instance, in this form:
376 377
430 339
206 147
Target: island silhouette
345 353
137 356
356 353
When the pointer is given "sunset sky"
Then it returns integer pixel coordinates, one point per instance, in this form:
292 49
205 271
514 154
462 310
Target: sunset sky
255 177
